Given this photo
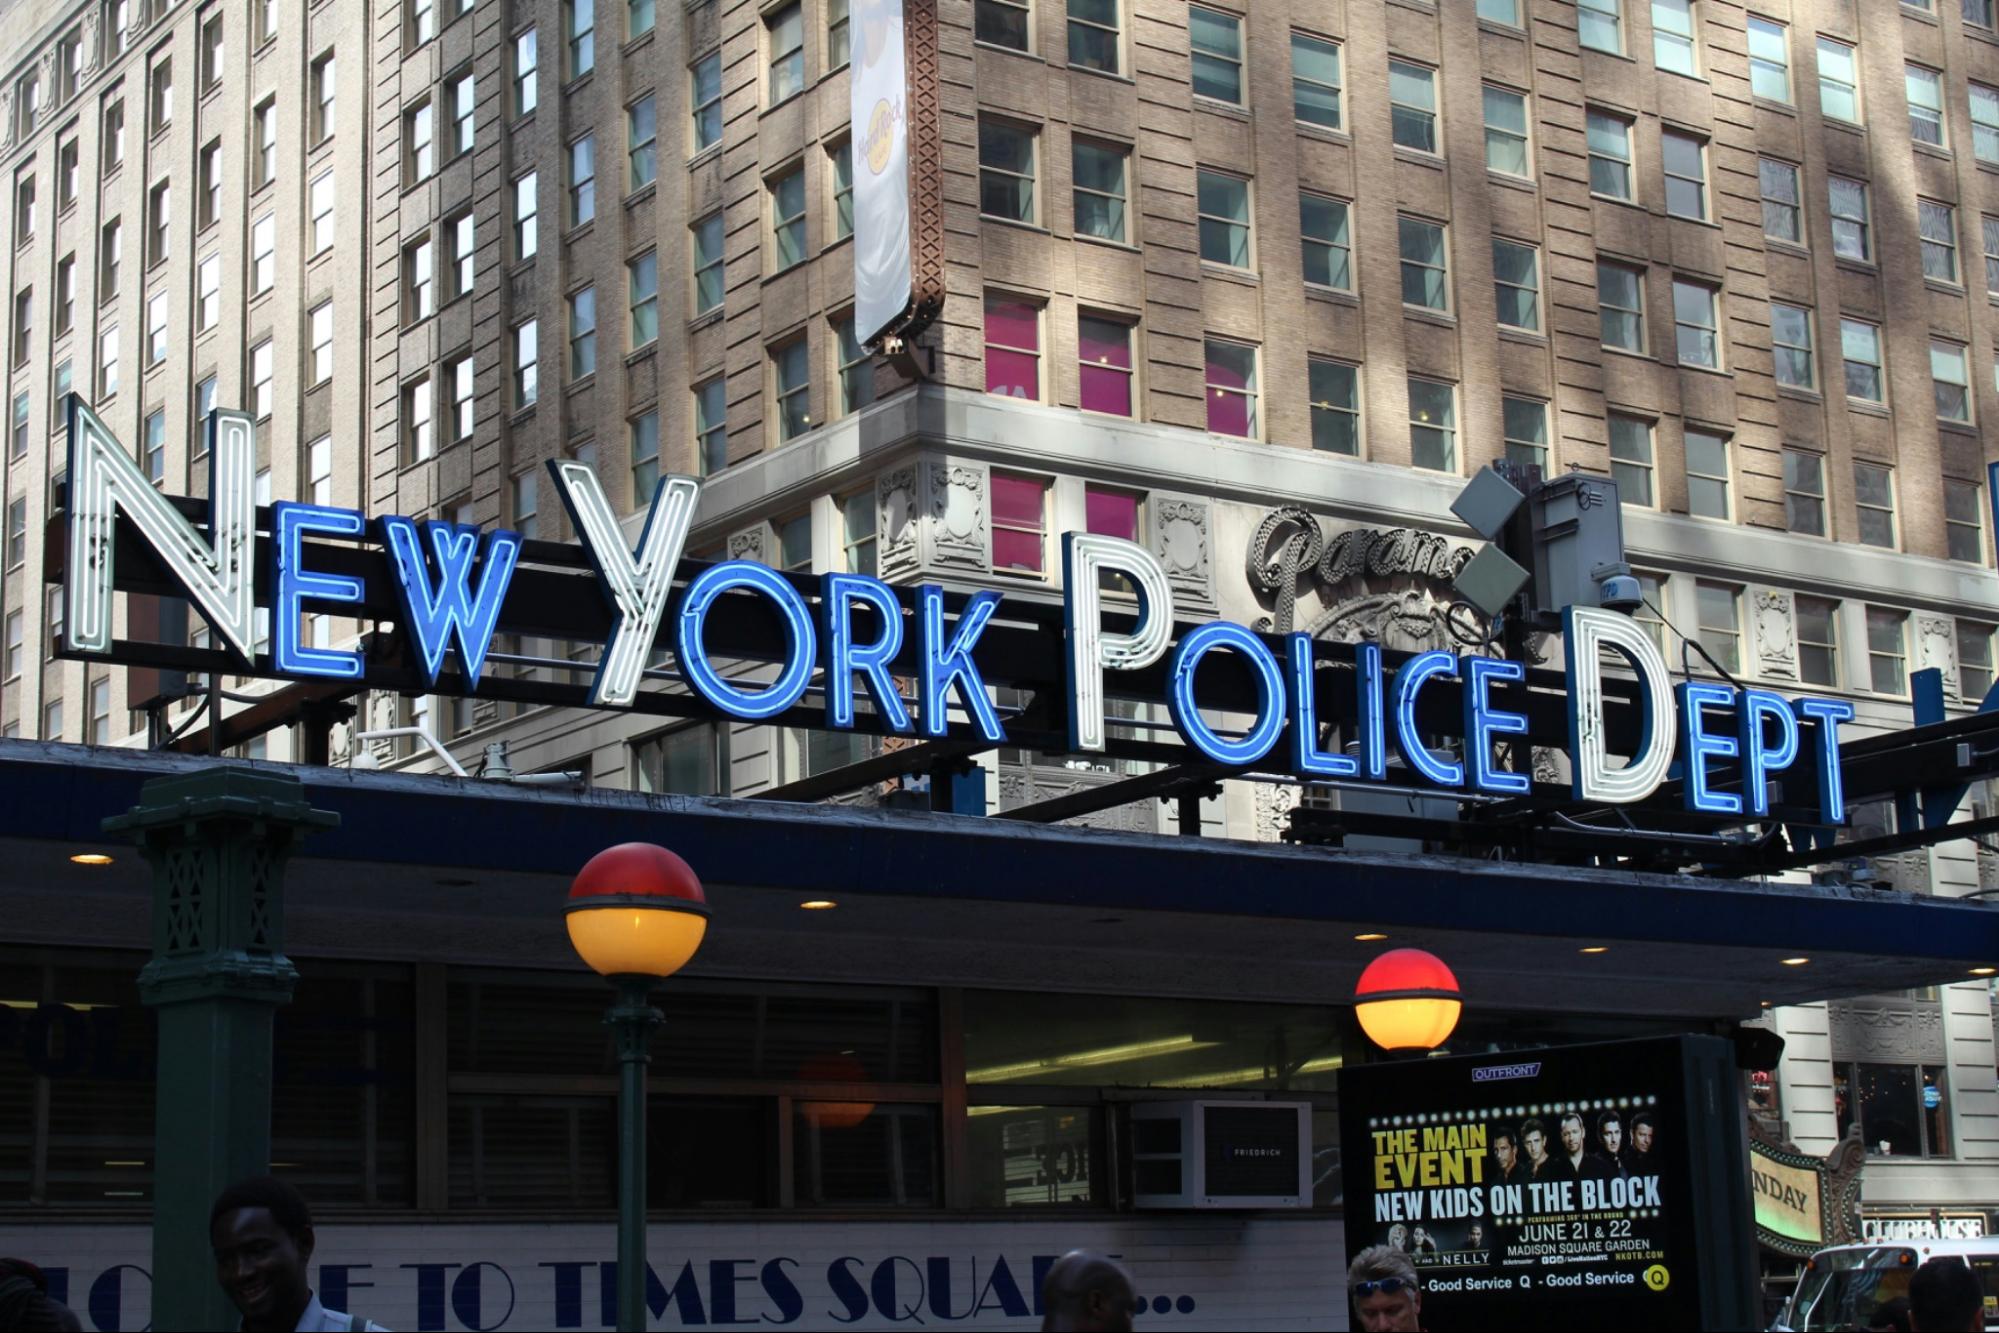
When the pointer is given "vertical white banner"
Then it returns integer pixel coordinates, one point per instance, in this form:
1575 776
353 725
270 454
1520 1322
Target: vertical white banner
880 146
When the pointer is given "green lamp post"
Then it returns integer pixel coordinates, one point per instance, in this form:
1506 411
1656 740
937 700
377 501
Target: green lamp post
636 914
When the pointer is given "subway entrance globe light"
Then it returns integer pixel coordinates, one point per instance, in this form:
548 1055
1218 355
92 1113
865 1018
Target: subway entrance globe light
636 910
1407 1000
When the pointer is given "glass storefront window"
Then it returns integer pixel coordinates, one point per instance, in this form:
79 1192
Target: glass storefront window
1027 1156
864 1154
1904 1110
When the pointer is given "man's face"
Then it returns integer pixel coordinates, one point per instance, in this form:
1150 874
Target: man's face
1504 1150
259 1264
1641 1138
1613 1137
1386 1312
1572 1137
1537 1146
1476 1237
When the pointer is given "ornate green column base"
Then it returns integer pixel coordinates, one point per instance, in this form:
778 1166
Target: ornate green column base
217 841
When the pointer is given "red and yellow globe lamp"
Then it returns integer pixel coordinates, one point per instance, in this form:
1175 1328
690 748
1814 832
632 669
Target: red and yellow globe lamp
636 915
1408 1000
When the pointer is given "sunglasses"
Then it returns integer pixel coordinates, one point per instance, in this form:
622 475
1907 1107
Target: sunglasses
1387 1286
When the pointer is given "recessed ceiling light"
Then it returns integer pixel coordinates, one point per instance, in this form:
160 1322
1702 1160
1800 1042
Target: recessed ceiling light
1369 937
1764 1003
1983 971
1594 948
1794 962
818 904
91 859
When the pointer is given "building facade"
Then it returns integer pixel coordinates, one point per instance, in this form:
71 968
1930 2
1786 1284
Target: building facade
1258 286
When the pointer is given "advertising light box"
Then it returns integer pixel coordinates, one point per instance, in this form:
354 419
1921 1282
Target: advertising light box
1575 1187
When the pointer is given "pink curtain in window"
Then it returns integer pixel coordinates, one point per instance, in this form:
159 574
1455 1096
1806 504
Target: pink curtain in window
1105 352
1013 339
1111 514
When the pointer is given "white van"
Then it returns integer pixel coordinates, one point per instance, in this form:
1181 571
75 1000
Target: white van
1843 1287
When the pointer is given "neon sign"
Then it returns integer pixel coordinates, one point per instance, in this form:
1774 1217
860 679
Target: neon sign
451 584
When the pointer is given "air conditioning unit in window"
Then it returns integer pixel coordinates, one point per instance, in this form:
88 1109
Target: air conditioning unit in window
1200 1154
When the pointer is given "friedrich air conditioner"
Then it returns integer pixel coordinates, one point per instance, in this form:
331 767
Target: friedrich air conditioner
1221 1154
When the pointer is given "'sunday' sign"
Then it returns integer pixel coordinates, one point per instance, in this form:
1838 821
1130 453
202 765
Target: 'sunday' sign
451 585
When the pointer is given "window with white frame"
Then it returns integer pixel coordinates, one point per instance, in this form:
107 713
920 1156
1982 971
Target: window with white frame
839 34
785 31
1425 264
1707 474
643 433
1315 81
1524 422
1791 346
582 332
527 58
1516 273
262 366
1094 35
1860 349
705 96
1506 132
1887 650
582 180
711 426
1001 23
858 540
153 448
1006 170
1818 641
1335 388
791 374
787 217
1500 11
1232 388
1769 59
527 362
1600 25
320 203
1718 613
325 84
419 281
580 24
1620 299
1609 138
854 371
1020 523
706 240
1105 372
1984 122
1839 80
156 328
319 339
641 141
1683 158
1412 106
1936 224
1950 371
1098 176
1874 498
841 158
1327 247
1974 660
1925 89
1990 226
459 377
1631 459
1433 424
1964 520
1804 493
419 442
1673 45
642 282
462 97
1223 203
419 145
1697 323
1215 43
1013 347
526 215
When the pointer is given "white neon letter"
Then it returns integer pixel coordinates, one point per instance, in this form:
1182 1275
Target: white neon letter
217 573
635 587
1586 631
1084 556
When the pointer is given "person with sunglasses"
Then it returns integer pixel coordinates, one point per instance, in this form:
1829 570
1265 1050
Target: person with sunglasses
1387 1296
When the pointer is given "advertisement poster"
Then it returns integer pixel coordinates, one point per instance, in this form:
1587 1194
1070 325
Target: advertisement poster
1542 1185
879 102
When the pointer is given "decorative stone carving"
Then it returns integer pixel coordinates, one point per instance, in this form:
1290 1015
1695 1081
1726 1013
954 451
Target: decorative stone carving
1936 646
1026 784
955 513
381 716
1180 538
1906 1031
1550 765
1776 634
7 115
898 555
747 544
1391 586
1274 803
91 58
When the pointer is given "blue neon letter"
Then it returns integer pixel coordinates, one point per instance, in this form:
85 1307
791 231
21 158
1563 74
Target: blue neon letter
1829 713
1306 756
692 654
1180 701
452 609
293 585
1483 722
838 595
1698 745
1759 758
948 662
1373 730
1409 681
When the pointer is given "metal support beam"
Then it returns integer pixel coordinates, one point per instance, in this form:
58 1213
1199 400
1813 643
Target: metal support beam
1162 784
922 757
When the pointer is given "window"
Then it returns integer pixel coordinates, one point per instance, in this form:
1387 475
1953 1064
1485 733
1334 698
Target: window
1991 230
419 153
1232 389
787 217
1707 474
857 532
422 21
1887 651
1839 81
1851 234
1804 493
67 159
1103 349
1315 81
1013 348
24 325
583 333
1631 459
19 436
641 133
527 369
639 18
107 363
319 325
1093 35
1818 641
266 14
418 440
1516 274
581 24
1335 388
1001 22
1433 425
261 367
1779 184
583 180
159 213
705 92
1684 160
1006 170
1600 25
324 85
1964 521
1860 347
643 431
1525 423
161 108
839 34
1874 498
113 150
707 238
1412 101
462 98
524 215
156 328
1425 273
263 254
1937 224
17 531
787 53
1791 346
1698 324
65 302
1673 46
458 379
319 470
1769 59
841 157
527 501
1950 372
204 403
24 209
711 426
460 235
14 639
419 281
1215 40
1925 104
526 58
1506 131
1328 251
1020 523
855 369
1620 300
1985 123
1500 11
52 720
643 276
153 450
1224 214
1610 156
209 175
1098 170
1718 611
1974 660
266 160
791 369
1978 13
